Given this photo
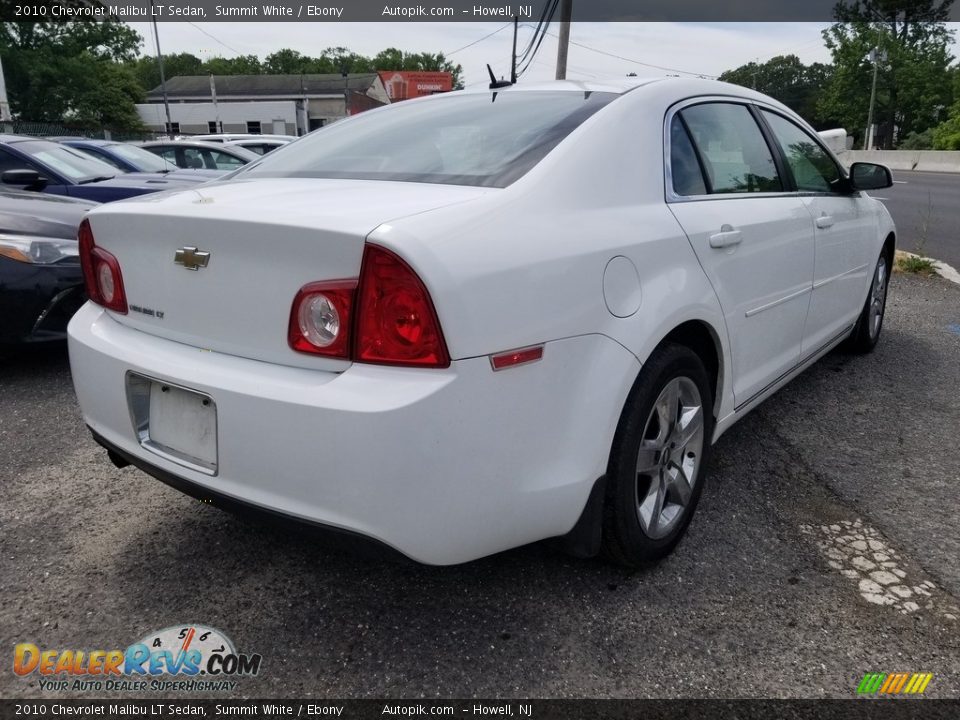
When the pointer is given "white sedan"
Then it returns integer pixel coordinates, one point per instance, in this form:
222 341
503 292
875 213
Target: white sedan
464 323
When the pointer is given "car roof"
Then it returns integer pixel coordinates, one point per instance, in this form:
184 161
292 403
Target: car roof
244 136
87 141
682 87
239 151
254 141
10 138
184 143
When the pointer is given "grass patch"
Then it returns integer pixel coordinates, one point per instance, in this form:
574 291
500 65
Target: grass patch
915 264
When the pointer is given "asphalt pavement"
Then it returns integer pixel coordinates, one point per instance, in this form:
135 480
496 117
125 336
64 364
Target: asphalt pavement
926 208
825 547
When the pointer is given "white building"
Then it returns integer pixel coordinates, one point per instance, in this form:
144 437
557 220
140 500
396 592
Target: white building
278 104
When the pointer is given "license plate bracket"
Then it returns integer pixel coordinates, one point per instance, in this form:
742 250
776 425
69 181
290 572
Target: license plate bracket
174 422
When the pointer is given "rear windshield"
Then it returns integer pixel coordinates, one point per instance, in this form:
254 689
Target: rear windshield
487 140
143 160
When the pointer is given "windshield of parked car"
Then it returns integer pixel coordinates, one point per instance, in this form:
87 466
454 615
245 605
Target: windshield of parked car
488 139
143 160
66 161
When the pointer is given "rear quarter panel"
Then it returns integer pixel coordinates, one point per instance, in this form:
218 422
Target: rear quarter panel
525 265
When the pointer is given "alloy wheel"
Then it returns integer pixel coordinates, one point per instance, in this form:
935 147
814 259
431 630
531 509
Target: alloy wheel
669 457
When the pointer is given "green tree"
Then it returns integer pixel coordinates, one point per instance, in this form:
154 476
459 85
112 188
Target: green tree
946 136
241 65
147 70
788 80
57 70
287 62
914 87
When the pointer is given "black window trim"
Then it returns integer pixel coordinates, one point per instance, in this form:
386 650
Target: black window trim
754 107
818 141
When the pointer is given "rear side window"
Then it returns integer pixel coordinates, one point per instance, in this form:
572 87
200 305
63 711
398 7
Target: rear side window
812 168
735 154
684 166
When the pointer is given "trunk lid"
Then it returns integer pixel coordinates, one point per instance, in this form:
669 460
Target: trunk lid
266 239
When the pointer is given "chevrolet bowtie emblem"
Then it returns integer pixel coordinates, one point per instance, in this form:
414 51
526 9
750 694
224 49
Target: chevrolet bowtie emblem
191 258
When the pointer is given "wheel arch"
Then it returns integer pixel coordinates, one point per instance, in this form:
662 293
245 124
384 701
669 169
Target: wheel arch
702 338
889 248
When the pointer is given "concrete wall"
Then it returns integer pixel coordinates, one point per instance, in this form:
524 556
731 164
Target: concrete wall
918 160
194 117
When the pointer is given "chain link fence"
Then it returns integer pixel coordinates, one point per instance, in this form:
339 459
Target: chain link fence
60 130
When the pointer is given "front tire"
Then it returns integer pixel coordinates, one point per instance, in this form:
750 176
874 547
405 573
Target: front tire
866 332
661 447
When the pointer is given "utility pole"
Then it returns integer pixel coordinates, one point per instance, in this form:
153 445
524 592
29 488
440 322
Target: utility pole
513 56
876 56
5 116
216 111
346 90
163 80
566 10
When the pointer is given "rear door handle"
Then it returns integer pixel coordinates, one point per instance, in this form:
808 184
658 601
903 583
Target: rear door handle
727 237
824 221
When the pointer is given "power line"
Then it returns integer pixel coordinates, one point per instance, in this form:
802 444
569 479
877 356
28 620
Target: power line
490 35
637 62
543 34
536 32
215 39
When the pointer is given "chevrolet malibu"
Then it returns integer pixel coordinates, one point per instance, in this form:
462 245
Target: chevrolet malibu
472 321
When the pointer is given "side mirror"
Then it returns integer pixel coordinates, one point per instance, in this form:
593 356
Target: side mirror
870 176
27 179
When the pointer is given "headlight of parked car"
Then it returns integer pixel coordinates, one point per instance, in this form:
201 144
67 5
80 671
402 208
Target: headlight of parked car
38 250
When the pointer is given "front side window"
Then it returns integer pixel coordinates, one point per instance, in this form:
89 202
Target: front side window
735 154
813 169
480 139
223 161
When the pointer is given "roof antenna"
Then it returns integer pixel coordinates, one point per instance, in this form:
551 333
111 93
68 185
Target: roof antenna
494 83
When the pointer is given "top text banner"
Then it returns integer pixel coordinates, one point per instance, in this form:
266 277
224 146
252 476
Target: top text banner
449 11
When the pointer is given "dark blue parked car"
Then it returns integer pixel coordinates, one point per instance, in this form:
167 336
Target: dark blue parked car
28 163
133 158
41 281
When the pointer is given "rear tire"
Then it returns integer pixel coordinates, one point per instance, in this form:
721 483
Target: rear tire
660 450
866 333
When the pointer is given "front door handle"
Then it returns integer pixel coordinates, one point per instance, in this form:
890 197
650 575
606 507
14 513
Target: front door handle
727 237
824 221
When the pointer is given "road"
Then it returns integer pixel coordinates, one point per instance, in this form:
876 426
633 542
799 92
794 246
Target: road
825 547
926 209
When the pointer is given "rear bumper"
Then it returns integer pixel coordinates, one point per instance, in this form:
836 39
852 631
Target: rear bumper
444 466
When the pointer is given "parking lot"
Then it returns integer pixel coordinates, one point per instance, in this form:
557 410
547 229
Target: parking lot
850 471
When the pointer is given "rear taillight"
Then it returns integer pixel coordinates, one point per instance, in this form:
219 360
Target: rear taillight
396 323
387 318
320 318
101 272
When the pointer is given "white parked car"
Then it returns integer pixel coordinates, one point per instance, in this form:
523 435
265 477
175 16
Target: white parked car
472 321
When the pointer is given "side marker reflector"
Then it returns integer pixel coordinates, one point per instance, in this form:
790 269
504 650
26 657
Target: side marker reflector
516 357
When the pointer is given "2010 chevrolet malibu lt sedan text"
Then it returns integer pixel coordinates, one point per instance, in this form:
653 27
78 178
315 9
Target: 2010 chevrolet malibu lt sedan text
473 321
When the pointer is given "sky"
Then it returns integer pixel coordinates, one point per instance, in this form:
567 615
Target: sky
693 48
